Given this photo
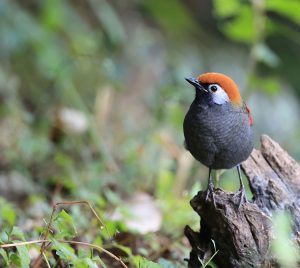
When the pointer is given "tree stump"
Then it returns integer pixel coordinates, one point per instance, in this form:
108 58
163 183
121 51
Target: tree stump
242 236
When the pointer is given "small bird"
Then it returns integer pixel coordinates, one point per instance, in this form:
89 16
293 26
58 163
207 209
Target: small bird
218 127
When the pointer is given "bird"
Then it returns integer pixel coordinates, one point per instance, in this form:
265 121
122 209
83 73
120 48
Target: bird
218 127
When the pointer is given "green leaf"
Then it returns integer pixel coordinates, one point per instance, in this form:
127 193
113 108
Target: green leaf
68 219
4 256
242 27
84 253
98 241
64 251
127 250
53 14
141 262
98 260
65 225
23 255
14 259
4 236
226 8
90 263
282 246
16 233
290 8
166 13
7 212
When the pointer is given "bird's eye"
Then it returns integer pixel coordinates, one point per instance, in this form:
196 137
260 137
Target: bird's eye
219 95
213 88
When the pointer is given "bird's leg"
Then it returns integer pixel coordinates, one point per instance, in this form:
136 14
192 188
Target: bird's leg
241 191
210 188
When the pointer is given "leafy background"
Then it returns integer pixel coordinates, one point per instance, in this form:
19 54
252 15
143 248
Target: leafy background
92 102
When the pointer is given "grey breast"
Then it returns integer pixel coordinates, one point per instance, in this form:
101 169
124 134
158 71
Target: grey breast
219 136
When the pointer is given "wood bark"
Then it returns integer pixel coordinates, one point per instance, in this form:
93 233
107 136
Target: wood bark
241 237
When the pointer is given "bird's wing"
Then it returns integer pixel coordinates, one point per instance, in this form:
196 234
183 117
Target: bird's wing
248 111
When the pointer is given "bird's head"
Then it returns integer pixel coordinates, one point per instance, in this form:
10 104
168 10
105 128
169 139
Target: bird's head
216 88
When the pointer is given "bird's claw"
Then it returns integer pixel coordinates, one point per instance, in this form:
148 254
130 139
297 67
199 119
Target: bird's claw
242 195
210 192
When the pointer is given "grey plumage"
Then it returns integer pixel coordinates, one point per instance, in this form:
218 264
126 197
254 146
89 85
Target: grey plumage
219 136
217 127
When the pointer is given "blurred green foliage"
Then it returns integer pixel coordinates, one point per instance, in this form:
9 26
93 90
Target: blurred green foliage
283 246
118 68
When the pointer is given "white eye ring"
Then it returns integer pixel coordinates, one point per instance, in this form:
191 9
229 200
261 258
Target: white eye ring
218 94
214 88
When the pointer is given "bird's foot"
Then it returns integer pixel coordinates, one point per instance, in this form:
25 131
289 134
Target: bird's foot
210 192
242 196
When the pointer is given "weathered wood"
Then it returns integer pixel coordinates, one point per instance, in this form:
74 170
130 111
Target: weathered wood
242 236
274 179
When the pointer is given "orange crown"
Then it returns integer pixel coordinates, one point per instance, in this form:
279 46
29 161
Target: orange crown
225 82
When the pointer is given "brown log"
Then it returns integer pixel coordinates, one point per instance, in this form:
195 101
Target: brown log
241 237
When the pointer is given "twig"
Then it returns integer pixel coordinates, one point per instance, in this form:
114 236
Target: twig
100 249
96 247
71 203
23 243
46 260
48 227
43 246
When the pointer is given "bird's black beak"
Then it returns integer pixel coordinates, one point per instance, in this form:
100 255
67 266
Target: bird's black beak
193 81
